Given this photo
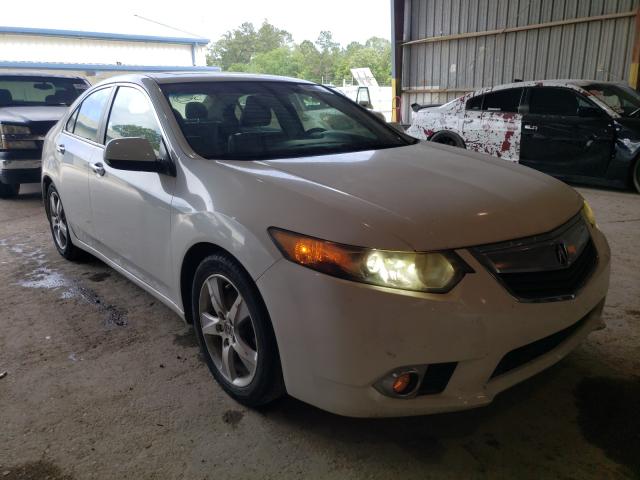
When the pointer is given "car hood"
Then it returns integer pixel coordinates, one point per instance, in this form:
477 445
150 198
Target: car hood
32 114
436 197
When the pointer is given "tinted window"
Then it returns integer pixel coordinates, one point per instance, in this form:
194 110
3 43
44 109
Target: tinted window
553 101
257 120
27 90
502 100
132 116
475 103
90 113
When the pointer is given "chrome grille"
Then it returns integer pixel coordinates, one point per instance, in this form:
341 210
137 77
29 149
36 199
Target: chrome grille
542 268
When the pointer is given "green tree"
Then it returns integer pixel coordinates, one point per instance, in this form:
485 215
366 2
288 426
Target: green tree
272 50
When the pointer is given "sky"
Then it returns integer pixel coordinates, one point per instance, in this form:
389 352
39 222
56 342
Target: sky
348 20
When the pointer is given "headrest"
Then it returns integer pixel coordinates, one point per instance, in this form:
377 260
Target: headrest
5 97
196 111
256 113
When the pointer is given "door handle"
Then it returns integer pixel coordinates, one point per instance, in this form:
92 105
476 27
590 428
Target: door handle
533 128
60 149
98 169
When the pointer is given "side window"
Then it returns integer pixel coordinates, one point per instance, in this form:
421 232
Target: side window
71 123
90 113
475 103
553 101
502 100
132 116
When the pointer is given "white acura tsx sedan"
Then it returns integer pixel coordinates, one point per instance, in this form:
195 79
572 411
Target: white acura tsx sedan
317 251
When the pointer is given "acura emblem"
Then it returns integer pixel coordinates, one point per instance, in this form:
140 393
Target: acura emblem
562 255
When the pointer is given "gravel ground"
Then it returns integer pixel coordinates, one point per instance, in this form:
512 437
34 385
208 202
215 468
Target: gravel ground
104 382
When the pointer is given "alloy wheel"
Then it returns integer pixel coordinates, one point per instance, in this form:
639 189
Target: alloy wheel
228 330
58 221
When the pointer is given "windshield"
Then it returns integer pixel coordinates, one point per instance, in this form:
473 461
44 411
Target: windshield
622 100
262 120
30 91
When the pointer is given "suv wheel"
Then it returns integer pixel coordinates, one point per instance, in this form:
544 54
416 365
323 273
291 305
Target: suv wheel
235 333
635 175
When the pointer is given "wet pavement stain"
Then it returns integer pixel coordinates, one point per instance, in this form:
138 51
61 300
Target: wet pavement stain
114 317
186 339
633 313
99 277
232 417
40 470
609 417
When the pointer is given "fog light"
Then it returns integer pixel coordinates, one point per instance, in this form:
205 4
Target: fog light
400 383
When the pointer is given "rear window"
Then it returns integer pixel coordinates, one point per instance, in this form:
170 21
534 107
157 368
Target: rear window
27 91
501 101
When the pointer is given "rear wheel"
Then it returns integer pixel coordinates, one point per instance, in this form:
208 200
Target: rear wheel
235 333
9 190
448 138
635 176
59 227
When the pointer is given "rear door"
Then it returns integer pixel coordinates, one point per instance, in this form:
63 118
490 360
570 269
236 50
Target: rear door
76 148
131 211
492 123
565 134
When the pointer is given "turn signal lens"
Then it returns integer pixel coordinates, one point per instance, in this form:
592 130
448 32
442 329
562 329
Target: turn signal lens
588 214
436 272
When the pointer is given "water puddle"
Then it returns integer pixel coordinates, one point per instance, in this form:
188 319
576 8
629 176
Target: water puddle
42 276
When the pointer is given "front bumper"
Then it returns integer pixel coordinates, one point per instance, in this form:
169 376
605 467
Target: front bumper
16 167
338 338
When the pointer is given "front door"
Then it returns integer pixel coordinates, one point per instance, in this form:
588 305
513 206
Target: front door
565 134
131 210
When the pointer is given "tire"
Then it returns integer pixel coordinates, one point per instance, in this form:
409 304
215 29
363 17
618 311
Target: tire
238 344
448 138
9 190
635 176
59 227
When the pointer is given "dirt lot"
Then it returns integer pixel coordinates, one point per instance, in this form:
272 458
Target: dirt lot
104 382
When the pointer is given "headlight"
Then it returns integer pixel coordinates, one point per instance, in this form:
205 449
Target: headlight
587 213
436 272
16 137
14 130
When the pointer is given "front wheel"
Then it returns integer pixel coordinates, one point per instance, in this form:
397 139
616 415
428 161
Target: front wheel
235 333
9 190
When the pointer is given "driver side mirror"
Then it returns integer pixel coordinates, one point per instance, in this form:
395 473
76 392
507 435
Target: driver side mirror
132 153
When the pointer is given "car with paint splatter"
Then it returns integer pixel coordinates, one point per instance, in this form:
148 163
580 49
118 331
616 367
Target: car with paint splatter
576 130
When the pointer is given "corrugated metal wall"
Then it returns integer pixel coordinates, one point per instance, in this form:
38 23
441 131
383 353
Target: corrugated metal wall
594 50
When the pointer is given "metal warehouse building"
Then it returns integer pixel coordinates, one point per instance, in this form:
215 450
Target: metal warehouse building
98 54
445 48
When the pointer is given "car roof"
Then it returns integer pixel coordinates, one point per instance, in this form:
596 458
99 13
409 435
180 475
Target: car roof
183 77
579 83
